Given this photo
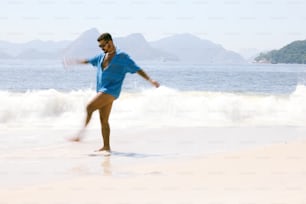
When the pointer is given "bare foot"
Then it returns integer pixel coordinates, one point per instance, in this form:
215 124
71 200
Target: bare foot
75 139
107 149
78 137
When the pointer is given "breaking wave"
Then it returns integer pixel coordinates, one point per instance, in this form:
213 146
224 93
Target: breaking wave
160 107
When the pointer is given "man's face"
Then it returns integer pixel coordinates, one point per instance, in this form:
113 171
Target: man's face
104 45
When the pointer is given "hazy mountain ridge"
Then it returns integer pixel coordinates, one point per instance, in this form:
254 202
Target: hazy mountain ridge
140 49
189 48
293 53
4 55
84 46
15 49
181 47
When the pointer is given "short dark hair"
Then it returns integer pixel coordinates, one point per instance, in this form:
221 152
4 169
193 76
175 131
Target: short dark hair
105 36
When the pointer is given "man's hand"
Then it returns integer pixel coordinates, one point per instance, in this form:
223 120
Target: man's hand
69 62
154 83
146 77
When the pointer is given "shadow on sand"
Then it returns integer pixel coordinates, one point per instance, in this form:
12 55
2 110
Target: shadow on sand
125 154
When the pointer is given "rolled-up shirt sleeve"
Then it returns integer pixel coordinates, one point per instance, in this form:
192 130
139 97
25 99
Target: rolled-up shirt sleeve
95 60
131 66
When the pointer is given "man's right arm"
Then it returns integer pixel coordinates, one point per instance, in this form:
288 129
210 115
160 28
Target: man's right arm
83 62
68 62
80 61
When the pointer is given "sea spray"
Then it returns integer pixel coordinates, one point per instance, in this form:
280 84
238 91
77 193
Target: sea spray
161 107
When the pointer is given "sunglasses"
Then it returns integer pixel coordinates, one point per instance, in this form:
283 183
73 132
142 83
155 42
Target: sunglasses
103 45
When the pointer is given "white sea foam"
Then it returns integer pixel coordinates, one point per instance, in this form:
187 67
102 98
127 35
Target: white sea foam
154 108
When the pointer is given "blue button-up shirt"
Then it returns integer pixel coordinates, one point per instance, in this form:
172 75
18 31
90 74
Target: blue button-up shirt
110 79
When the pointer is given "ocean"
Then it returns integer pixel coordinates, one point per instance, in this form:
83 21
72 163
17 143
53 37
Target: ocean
198 110
42 96
31 75
42 93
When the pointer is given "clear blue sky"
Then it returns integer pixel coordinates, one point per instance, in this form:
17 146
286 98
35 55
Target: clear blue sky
235 24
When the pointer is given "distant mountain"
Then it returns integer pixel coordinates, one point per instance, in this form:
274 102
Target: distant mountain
293 53
136 46
11 49
35 54
4 56
15 49
183 48
84 46
249 54
46 46
189 48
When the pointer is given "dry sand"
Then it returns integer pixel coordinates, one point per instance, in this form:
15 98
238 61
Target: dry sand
272 174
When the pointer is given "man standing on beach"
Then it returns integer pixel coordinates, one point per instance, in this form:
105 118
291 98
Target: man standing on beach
112 65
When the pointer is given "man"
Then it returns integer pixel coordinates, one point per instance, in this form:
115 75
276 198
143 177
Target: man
112 65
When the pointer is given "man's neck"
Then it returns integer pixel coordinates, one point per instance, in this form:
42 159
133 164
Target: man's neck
112 51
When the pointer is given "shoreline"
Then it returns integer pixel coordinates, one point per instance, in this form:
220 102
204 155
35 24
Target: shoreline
257 173
262 175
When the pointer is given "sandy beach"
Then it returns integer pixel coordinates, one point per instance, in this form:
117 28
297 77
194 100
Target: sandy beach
72 173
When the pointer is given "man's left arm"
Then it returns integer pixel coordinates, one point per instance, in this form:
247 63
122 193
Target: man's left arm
146 77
